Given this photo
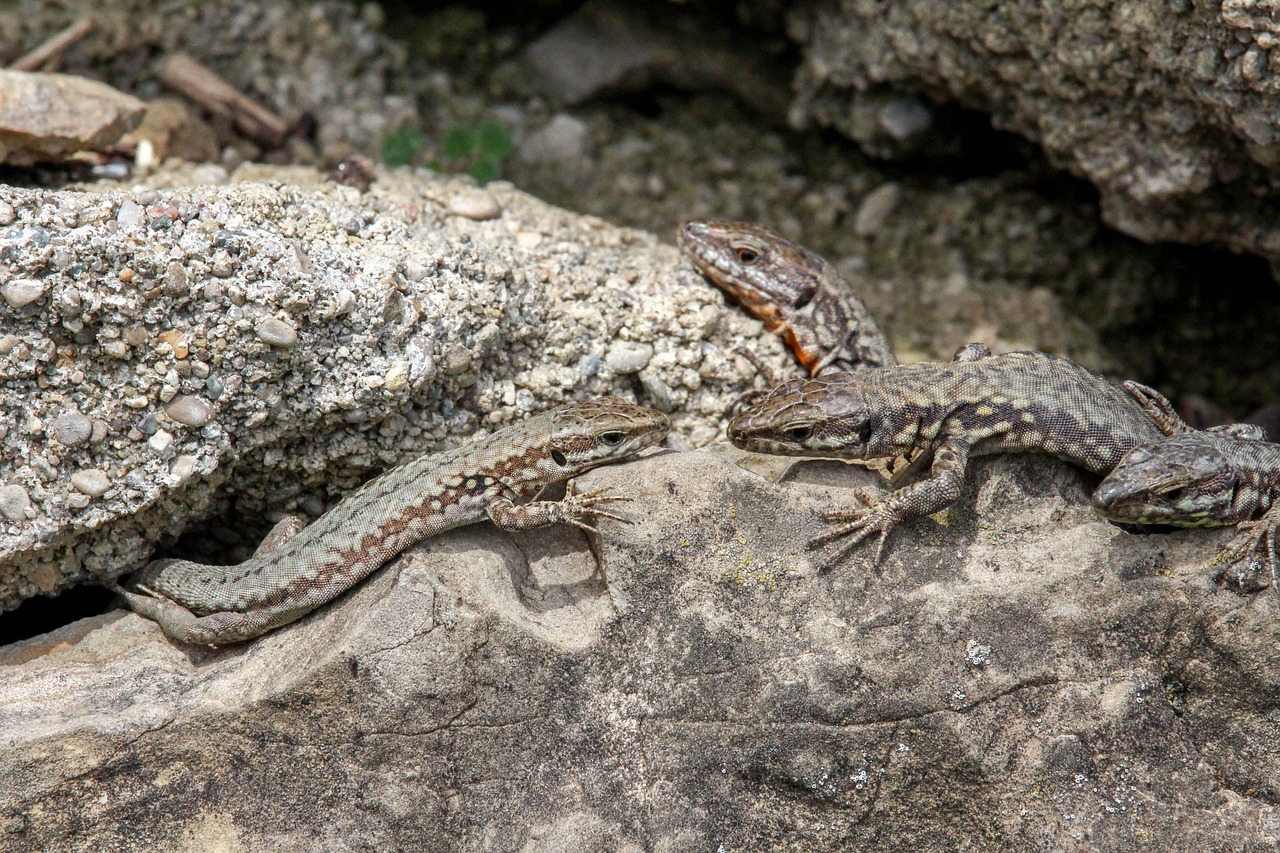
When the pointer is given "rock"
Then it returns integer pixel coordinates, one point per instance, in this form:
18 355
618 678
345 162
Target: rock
45 117
606 46
72 429
188 410
91 482
1168 110
14 502
173 130
628 356
688 682
276 332
876 208
485 332
475 204
561 141
22 291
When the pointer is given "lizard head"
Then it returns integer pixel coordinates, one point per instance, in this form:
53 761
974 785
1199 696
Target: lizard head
584 435
1187 480
809 417
773 279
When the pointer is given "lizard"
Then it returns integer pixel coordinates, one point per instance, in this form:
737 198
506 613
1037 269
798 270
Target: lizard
795 292
977 404
1211 478
298 569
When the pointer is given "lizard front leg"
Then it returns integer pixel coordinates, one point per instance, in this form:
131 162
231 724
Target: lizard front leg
941 489
1255 542
573 509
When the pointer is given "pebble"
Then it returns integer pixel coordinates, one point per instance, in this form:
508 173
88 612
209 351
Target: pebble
6 214
14 501
160 441
91 481
475 204
148 425
183 467
22 291
876 208
188 410
276 332
129 214
72 429
177 341
628 356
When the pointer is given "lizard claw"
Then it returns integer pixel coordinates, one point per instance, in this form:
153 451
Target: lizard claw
859 524
1256 537
588 503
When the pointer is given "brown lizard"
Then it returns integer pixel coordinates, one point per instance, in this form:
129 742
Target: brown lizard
300 568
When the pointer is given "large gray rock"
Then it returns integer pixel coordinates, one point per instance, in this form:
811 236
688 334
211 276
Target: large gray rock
1169 109
1024 676
168 352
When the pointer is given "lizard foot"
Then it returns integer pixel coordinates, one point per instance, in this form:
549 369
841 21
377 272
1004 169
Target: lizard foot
574 508
1250 553
858 523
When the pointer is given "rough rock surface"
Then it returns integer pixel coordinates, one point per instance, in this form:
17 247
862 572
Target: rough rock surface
46 117
1169 109
1026 677
269 346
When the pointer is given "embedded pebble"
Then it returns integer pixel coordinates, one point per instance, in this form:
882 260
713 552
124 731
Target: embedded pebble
189 410
183 467
72 429
147 426
6 213
160 441
22 291
91 481
177 341
628 356
14 501
876 208
276 332
129 214
475 204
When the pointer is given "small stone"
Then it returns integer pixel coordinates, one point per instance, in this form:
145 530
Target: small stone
160 441
116 348
276 332
91 481
78 501
628 356
214 387
6 213
129 214
72 429
22 291
396 378
188 410
14 502
905 118
183 467
7 343
100 430
148 425
177 341
876 208
475 204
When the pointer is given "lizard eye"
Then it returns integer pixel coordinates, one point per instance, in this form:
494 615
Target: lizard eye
558 457
612 438
798 432
803 299
747 254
